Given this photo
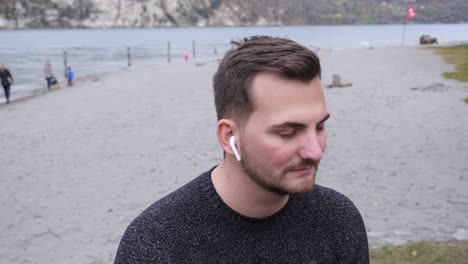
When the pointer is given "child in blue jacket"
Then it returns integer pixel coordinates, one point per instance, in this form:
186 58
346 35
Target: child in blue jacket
70 76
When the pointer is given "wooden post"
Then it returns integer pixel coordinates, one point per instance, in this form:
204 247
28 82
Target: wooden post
129 57
336 80
193 49
65 63
169 52
403 35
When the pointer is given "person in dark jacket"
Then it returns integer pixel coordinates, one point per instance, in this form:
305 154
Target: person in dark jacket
7 80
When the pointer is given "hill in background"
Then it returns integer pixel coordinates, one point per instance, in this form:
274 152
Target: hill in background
175 13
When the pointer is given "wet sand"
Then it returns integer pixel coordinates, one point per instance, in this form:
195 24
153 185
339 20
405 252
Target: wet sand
78 164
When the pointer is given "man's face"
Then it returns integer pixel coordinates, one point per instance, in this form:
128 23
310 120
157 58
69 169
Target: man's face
283 140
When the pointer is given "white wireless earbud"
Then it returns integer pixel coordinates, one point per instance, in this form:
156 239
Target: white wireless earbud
232 141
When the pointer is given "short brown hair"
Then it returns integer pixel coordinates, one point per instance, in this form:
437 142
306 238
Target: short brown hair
233 79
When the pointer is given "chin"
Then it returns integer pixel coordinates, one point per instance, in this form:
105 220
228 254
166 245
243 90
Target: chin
306 189
302 187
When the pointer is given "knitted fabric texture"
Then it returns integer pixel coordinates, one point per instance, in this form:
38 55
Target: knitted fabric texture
193 225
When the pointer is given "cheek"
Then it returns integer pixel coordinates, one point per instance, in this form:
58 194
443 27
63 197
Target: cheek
279 155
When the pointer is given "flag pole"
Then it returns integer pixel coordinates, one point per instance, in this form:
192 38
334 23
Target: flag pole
404 34
410 14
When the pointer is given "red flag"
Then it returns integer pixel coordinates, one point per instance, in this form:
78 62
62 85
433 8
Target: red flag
411 12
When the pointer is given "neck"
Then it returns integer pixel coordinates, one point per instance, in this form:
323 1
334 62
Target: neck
243 195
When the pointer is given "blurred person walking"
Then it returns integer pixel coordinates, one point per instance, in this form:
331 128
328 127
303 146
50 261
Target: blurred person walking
7 80
48 74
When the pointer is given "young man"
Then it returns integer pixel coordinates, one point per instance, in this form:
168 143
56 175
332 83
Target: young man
261 204
7 80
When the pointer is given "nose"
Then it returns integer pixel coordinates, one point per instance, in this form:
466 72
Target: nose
313 147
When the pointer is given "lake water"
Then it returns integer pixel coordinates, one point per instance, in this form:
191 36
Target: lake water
97 50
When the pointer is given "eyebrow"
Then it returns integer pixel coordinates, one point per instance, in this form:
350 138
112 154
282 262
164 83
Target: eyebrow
324 118
296 125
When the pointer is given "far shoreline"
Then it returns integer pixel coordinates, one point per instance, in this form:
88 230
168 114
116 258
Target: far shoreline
233 26
42 90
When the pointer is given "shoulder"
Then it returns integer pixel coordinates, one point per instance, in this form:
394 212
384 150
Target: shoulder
330 199
326 202
173 208
152 235
169 209
334 205
343 222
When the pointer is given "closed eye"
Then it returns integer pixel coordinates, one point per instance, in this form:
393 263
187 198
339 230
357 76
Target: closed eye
287 135
287 130
321 124
321 127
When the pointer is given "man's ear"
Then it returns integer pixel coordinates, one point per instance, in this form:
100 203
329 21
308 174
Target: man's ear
225 129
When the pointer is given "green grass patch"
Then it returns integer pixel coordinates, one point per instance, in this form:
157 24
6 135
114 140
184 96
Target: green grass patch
458 56
421 253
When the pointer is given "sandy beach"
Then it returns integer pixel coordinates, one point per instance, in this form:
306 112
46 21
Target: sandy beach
78 164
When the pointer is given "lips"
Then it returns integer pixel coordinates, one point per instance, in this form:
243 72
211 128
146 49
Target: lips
305 166
301 169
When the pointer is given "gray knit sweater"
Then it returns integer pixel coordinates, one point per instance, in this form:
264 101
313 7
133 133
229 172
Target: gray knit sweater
193 225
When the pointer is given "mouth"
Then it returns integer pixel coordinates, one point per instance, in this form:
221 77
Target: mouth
302 169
